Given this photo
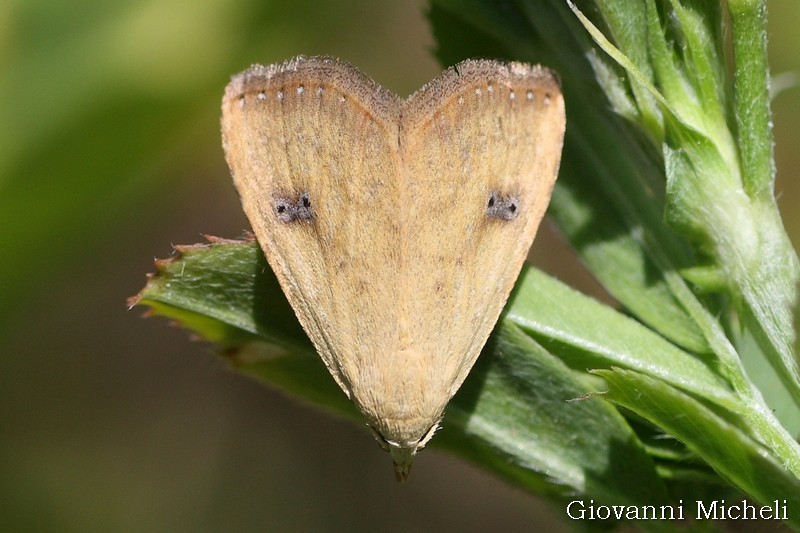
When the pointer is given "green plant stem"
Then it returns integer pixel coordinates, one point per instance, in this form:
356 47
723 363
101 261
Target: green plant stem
768 283
751 90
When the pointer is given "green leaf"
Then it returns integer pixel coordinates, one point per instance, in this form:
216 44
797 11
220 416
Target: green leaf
589 334
531 411
753 116
656 194
709 200
516 414
728 449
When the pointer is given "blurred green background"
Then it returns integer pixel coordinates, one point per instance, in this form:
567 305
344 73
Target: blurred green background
110 153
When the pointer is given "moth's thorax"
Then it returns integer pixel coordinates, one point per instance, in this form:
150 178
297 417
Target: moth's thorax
402 416
404 432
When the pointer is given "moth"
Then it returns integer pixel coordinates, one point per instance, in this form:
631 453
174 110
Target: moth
396 227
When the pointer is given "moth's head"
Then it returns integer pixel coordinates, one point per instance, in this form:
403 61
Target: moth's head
403 451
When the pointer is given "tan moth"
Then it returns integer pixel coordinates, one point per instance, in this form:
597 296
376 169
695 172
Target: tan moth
396 228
